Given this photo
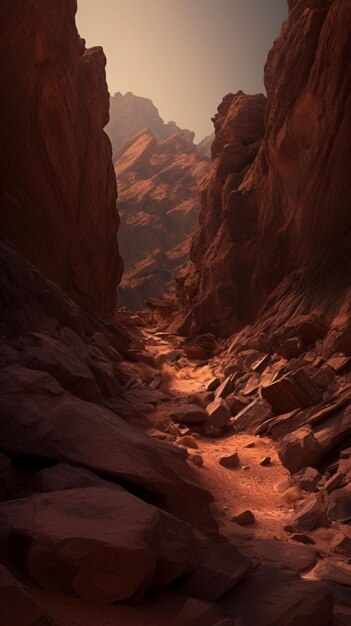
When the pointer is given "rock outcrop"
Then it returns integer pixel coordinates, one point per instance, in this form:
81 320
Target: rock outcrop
130 114
274 237
54 105
159 202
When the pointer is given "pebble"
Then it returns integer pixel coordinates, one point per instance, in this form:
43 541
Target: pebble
266 461
230 461
244 518
188 442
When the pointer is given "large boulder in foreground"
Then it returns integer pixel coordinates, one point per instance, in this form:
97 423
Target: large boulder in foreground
103 544
39 420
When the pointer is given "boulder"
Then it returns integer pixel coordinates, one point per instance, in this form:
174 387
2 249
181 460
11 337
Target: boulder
299 449
103 544
191 415
295 390
39 420
244 518
339 504
252 416
230 461
218 413
310 514
277 596
222 568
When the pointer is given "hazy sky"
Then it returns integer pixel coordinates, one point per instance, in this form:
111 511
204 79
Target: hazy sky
183 54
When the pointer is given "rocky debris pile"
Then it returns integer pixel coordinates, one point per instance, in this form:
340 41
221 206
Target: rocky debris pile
158 200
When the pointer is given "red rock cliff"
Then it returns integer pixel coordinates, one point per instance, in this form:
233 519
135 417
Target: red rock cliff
274 240
57 184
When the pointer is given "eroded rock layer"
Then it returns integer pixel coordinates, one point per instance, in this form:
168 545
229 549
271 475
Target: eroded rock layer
57 185
274 238
158 200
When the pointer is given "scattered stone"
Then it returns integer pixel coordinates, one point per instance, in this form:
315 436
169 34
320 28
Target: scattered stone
245 518
219 413
310 514
301 538
188 442
213 384
307 479
17 606
197 459
231 461
299 449
223 567
255 414
339 504
266 461
246 467
251 444
226 387
261 363
191 414
236 403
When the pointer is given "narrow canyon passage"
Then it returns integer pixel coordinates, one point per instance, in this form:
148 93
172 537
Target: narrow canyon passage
175 332
259 507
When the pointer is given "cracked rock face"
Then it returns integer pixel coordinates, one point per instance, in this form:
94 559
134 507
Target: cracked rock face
57 184
275 235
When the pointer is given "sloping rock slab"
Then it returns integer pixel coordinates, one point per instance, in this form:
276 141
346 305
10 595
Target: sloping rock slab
295 557
272 596
222 568
293 391
252 416
17 606
105 545
38 419
339 504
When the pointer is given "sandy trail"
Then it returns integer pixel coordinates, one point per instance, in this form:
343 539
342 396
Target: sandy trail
250 486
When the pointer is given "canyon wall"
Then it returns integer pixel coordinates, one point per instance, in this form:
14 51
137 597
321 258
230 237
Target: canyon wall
274 238
159 203
57 184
